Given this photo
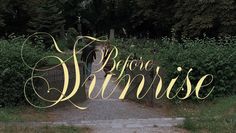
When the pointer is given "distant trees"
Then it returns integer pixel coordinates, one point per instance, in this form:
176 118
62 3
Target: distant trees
95 14
71 10
2 24
2 9
211 17
102 15
13 16
153 18
48 18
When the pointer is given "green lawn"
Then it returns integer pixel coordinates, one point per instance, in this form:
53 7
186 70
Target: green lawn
21 113
43 129
218 116
27 114
9 114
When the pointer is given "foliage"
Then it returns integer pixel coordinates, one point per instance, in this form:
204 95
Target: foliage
204 56
15 15
154 17
72 9
2 9
1 22
49 19
142 18
71 38
214 18
13 73
137 47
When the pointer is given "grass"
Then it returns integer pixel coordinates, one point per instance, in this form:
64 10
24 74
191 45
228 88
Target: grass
42 129
27 114
9 114
218 116
21 113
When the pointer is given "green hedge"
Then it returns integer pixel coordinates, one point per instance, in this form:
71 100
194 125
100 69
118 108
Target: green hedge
204 56
13 73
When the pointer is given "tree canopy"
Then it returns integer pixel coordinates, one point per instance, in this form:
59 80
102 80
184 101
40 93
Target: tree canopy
153 18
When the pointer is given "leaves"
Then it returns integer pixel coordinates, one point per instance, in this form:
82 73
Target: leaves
195 18
49 18
13 72
204 56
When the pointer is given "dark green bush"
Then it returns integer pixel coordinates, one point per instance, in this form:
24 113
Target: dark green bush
13 73
71 38
205 56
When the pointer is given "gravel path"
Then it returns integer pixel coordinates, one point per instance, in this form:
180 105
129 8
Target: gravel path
115 116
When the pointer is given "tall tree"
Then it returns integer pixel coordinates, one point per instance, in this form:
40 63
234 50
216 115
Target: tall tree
49 18
71 10
13 16
96 15
2 9
154 16
197 17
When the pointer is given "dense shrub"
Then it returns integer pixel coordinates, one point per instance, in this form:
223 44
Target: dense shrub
137 47
13 73
71 38
204 56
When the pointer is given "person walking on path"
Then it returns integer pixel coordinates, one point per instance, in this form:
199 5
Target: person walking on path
108 66
88 56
